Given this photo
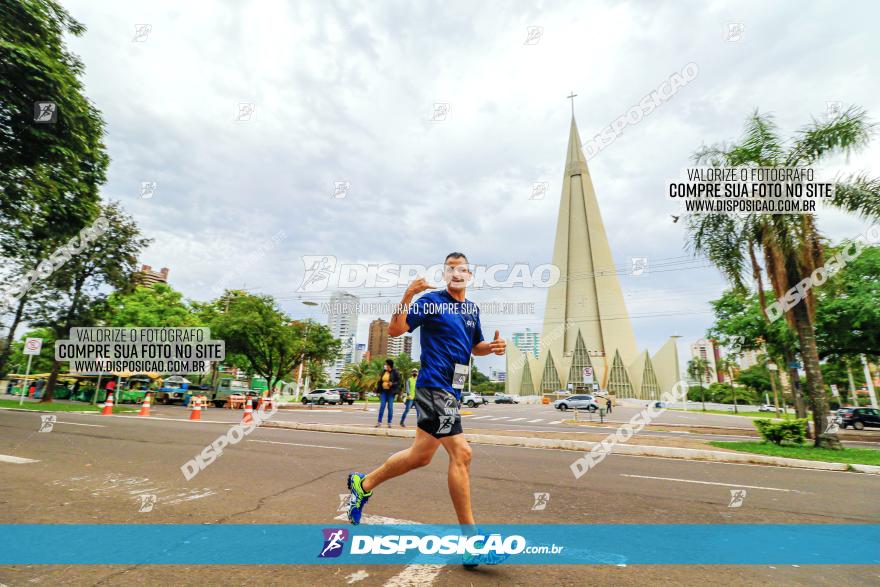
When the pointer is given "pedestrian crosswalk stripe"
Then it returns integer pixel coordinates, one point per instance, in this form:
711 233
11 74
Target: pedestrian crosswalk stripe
481 417
538 420
556 422
517 419
502 418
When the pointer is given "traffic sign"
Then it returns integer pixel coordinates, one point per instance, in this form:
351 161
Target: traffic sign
588 375
32 346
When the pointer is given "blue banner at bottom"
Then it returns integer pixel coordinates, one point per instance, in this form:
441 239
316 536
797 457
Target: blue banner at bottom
278 544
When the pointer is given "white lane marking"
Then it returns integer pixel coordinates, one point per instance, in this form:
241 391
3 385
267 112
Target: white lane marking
411 575
533 421
712 483
78 424
297 444
481 417
517 419
556 422
16 460
501 418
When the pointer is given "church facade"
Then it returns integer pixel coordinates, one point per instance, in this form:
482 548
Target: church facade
587 337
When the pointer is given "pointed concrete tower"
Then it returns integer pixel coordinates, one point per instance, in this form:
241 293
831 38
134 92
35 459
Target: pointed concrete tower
587 299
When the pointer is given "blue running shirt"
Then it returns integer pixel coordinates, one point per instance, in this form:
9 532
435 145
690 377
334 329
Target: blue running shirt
450 330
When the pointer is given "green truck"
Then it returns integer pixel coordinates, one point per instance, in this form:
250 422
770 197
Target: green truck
229 386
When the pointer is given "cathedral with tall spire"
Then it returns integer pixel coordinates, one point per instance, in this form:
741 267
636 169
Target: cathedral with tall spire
586 323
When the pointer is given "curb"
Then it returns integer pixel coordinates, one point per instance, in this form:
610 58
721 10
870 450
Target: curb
690 454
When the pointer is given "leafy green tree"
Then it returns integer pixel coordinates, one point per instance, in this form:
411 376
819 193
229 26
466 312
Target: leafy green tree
791 244
254 328
156 306
50 173
361 377
756 378
109 261
41 363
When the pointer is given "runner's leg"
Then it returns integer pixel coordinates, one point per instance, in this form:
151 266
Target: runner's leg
459 477
418 455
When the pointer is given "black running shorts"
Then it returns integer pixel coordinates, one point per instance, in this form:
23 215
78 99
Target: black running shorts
438 412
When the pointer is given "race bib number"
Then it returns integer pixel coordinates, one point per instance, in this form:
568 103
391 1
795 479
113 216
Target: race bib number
460 376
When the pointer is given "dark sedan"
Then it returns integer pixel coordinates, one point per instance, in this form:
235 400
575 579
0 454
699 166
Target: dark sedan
501 398
859 418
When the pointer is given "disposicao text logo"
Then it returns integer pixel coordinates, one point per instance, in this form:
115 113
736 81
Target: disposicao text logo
334 541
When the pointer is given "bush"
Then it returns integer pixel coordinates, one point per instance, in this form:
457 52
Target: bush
778 432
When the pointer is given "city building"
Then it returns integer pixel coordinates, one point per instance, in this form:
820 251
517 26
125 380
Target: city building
377 344
586 323
749 359
400 345
706 349
528 342
342 319
496 376
148 278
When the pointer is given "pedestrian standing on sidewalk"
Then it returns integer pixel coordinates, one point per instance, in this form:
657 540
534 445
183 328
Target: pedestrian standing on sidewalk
387 388
410 396
607 405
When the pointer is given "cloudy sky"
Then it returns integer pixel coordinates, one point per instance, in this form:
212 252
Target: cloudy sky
346 92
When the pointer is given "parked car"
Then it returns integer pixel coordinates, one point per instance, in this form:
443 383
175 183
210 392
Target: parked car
346 395
577 402
503 398
859 418
322 396
471 399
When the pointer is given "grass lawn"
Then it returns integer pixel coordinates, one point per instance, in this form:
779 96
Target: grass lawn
58 407
744 413
862 456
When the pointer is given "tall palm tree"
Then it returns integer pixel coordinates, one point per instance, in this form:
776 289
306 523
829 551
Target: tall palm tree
725 367
791 244
360 377
697 369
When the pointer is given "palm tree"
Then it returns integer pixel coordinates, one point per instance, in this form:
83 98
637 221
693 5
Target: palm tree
697 369
725 366
791 245
360 377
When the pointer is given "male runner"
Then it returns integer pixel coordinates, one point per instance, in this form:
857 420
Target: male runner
451 332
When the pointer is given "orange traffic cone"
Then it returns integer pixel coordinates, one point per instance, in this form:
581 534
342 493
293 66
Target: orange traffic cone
196 413
248 412
108 405
145 407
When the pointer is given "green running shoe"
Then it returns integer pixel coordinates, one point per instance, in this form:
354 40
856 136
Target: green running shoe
358 498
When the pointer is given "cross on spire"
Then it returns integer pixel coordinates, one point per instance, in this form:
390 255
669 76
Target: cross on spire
572 97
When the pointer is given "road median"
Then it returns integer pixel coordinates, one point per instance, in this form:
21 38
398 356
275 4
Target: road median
670 452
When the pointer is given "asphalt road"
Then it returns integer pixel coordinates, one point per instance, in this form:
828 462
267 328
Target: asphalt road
91 469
